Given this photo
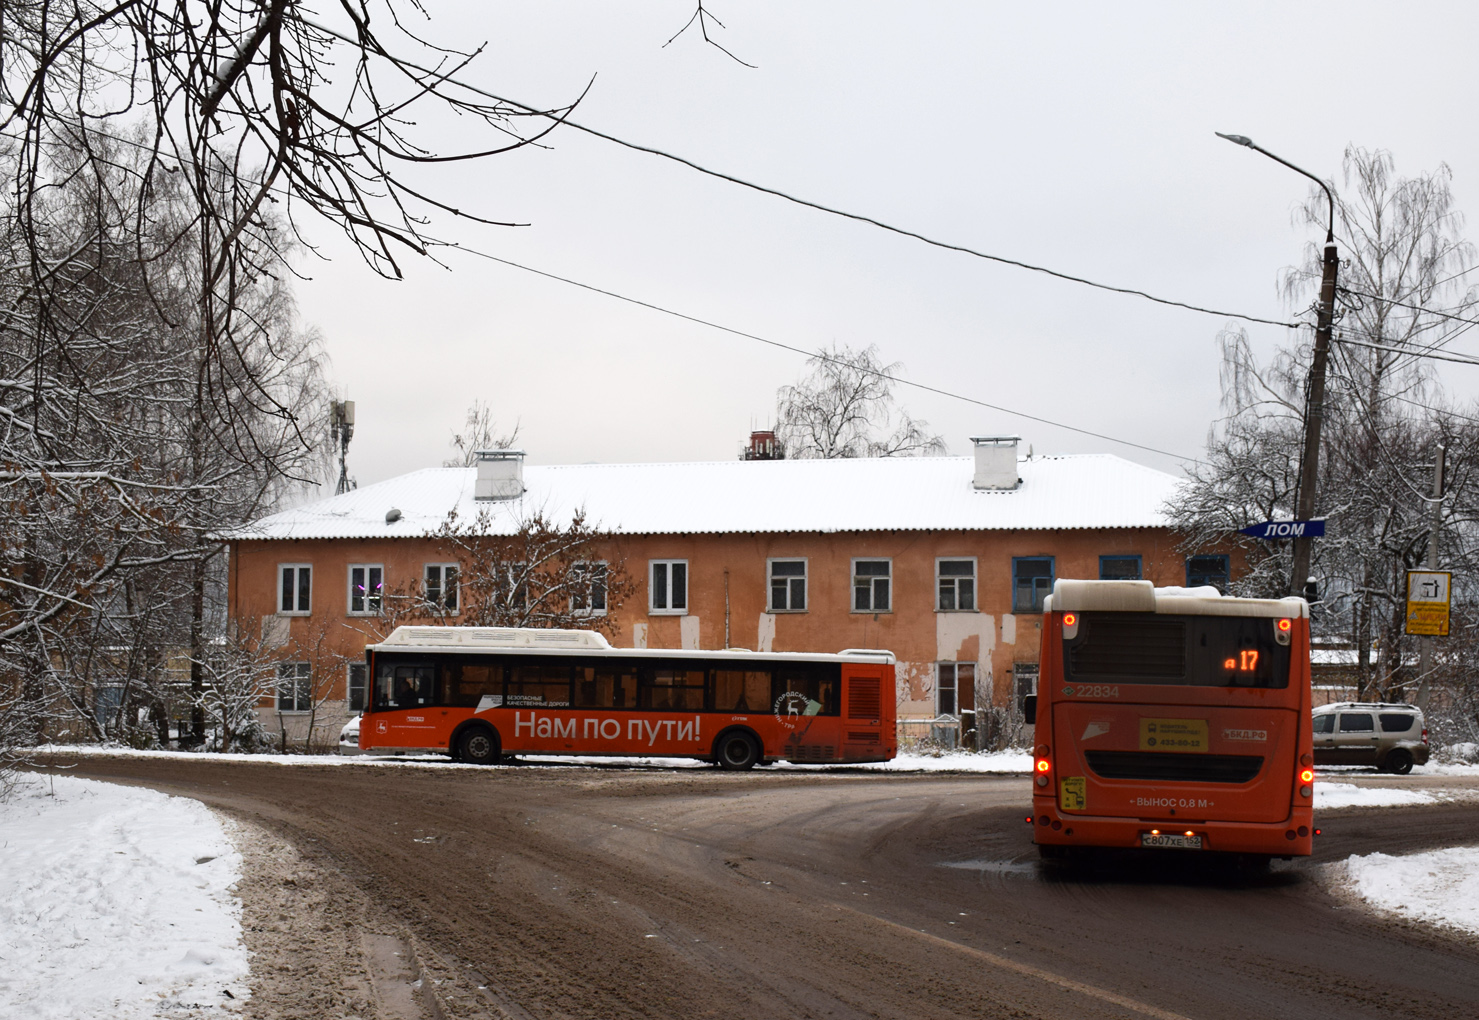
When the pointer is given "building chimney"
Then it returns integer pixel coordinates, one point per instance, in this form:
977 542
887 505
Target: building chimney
500 475
763 446
996 462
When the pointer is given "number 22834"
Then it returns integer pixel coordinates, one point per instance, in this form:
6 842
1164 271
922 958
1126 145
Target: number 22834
1095 691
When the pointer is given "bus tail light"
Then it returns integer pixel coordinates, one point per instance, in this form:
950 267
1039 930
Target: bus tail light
1307 775
1282 631
1042 767
1070 626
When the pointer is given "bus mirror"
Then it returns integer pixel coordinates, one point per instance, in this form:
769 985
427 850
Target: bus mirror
1029 709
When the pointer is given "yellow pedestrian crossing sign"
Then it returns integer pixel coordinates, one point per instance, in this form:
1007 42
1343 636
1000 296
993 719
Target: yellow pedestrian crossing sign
1428 599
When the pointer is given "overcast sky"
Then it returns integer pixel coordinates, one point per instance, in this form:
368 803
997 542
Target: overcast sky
1078 137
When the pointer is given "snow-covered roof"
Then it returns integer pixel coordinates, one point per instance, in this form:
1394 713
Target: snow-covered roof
889 494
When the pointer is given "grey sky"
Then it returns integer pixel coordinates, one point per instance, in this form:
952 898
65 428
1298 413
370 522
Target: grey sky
1078 137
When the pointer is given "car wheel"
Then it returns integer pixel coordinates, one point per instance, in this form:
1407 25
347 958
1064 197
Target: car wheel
480 746
737 752
1399 762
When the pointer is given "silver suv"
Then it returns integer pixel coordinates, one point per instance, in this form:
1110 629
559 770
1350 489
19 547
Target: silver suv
1392 737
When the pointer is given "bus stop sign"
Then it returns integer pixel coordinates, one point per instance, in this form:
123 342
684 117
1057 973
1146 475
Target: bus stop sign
1428 598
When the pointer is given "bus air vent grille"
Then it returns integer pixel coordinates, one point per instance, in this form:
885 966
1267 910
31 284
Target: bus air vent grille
1167 766
811 752
863 698
862 738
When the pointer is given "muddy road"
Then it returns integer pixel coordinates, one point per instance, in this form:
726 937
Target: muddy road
567 892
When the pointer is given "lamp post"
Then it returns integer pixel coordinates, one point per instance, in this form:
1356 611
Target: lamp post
1314 416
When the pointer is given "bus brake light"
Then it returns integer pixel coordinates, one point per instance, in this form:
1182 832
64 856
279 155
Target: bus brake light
1286 625
1307 776
1043 767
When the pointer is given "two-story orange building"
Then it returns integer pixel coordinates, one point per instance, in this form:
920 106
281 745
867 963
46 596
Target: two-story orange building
942 560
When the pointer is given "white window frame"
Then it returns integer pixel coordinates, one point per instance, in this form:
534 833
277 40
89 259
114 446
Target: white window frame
302 681
954 669
974 579
603 569
349 687
652 588
872 579
378 599
440 607
295 567
805 578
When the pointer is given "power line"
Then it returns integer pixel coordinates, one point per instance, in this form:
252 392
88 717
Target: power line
1410 306
821 356
818 206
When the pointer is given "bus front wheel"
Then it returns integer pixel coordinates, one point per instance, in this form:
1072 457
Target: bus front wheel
480 747
737 751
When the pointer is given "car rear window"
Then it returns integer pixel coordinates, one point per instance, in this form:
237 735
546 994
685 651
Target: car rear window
1396 722
1356 722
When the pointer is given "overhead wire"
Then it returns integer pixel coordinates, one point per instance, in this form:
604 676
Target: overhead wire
820 355
808 203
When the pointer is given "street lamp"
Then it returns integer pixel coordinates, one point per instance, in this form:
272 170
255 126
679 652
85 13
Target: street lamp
1315 408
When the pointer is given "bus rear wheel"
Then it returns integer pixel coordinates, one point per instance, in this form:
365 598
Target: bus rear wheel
737 752
480 747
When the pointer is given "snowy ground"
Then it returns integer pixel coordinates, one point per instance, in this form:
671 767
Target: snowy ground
116 902
1440 887
1008 762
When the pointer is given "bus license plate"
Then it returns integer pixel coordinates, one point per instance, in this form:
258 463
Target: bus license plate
1171 841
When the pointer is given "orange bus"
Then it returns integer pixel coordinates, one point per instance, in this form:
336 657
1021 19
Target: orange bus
1172 718
483 693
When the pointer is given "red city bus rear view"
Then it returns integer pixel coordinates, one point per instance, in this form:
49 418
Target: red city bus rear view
1172 718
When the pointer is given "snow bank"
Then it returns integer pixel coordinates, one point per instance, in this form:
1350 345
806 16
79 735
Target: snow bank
1439 887
999 762
116 902
1339 795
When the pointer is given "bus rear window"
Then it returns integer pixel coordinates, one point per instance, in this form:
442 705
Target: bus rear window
1192 651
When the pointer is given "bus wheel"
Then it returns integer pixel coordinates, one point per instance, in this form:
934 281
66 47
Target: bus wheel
480 746
737 751
1399 762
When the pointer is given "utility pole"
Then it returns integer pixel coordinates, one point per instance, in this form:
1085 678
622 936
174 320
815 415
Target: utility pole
1425 644
1314 412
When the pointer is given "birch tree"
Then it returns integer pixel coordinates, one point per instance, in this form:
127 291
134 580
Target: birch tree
845 407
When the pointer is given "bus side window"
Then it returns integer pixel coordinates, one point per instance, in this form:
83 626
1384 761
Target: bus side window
465 684
604 687
413 686
673 690
810 689
537 685
740 690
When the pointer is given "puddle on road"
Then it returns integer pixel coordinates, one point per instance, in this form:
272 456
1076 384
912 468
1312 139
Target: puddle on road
995 867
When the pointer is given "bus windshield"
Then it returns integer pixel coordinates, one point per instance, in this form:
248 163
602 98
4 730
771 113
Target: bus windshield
1188 651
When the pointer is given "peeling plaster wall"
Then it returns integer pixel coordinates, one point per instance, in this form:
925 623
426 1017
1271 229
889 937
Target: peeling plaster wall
639 635
766 632
964 637
1008 629
688 629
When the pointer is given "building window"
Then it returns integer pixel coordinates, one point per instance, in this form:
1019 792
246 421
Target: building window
787 586
667 590
1119 568
366 589
294 686
1202 570
956 583
588 589
295 588
358 685
870 586
951 679
1032 581
441 587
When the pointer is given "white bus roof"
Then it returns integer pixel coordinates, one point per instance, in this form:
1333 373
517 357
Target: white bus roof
1144 597
537 641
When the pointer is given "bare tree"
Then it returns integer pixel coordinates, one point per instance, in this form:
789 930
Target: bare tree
1385 414
844 407
479 432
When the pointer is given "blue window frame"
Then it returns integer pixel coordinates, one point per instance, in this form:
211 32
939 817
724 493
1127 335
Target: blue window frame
1119 568
1032 581
1211 570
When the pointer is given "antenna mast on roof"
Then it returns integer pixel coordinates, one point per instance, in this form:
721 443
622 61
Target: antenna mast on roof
341 427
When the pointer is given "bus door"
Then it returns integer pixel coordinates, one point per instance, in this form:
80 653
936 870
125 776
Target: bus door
863 736
405 705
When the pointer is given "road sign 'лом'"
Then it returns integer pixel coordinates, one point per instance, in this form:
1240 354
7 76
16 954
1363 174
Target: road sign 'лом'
1286 529
1429 594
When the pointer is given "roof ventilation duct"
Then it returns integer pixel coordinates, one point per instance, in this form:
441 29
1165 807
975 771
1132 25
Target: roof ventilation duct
996 462
500 475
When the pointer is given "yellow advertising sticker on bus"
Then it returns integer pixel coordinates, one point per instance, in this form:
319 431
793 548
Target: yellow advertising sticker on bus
1173 735
1071 793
